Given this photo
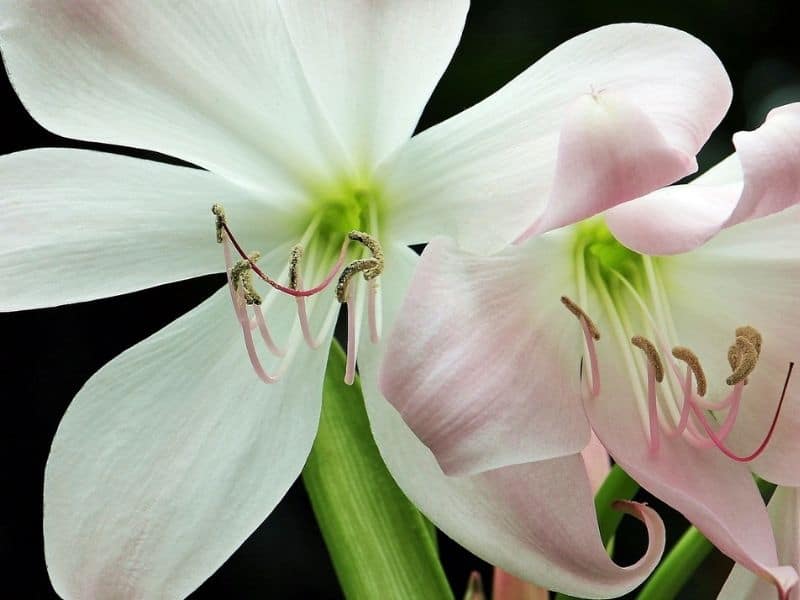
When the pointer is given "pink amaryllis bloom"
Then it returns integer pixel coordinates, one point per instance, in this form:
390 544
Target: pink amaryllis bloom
679 363
784 513
300 115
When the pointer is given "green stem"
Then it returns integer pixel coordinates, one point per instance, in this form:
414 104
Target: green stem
380 544
618 485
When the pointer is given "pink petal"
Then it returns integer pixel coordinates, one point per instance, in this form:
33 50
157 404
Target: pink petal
609 152
535 520
484 351
597 462
748 275
715 494
784 512
763 177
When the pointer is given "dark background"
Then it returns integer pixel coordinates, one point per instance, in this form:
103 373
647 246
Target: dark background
47 355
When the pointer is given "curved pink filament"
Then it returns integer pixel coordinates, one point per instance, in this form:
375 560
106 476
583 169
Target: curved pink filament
244 320
652 405
719 443
352 340
282 288
374 334
592 357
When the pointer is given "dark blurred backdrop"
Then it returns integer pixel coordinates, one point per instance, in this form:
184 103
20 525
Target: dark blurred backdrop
48 354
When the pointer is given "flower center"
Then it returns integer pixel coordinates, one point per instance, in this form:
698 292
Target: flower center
667 380
340 238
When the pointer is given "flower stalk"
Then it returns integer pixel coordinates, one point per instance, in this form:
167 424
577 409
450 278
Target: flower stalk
381 546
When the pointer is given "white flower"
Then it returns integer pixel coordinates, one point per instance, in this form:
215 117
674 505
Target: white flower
300 114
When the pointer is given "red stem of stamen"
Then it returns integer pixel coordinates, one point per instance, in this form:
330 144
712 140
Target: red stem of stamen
282 288
719 443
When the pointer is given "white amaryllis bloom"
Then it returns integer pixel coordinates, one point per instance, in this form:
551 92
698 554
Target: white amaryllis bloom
300 115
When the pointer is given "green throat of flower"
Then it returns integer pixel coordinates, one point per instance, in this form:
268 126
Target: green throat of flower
627 292
339 242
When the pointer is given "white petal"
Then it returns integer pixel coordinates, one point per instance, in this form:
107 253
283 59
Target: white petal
171 455
488 171
373 65
749 274
215 83
784 512
78 225
535 520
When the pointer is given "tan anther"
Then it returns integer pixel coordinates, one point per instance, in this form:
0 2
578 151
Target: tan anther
752 334
242 277
370 267
745 357
219 212
363 265
581 314
652 355
375 249
294 264
690 358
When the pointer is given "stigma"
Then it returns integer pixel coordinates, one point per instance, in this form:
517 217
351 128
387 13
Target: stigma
366 259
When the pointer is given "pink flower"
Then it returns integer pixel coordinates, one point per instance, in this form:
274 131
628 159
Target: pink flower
491 372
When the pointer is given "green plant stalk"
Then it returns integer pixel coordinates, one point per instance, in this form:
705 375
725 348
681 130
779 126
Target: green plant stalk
618 485
684 558
380 544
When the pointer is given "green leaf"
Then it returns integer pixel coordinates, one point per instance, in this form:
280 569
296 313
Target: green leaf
380 544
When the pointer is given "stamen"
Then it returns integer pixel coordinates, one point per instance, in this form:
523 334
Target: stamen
364 265
352 338
719 443
745 356
693 363
590 334
222 223
752 334
219 212
581 314
294 262
652 355
370 267
242 275
373 307
655 373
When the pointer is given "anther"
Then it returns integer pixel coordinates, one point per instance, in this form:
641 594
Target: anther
242 277
371 267
581 314
745 355
752 335
690 358
294 263
375 249
219 213
651 353
364 265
